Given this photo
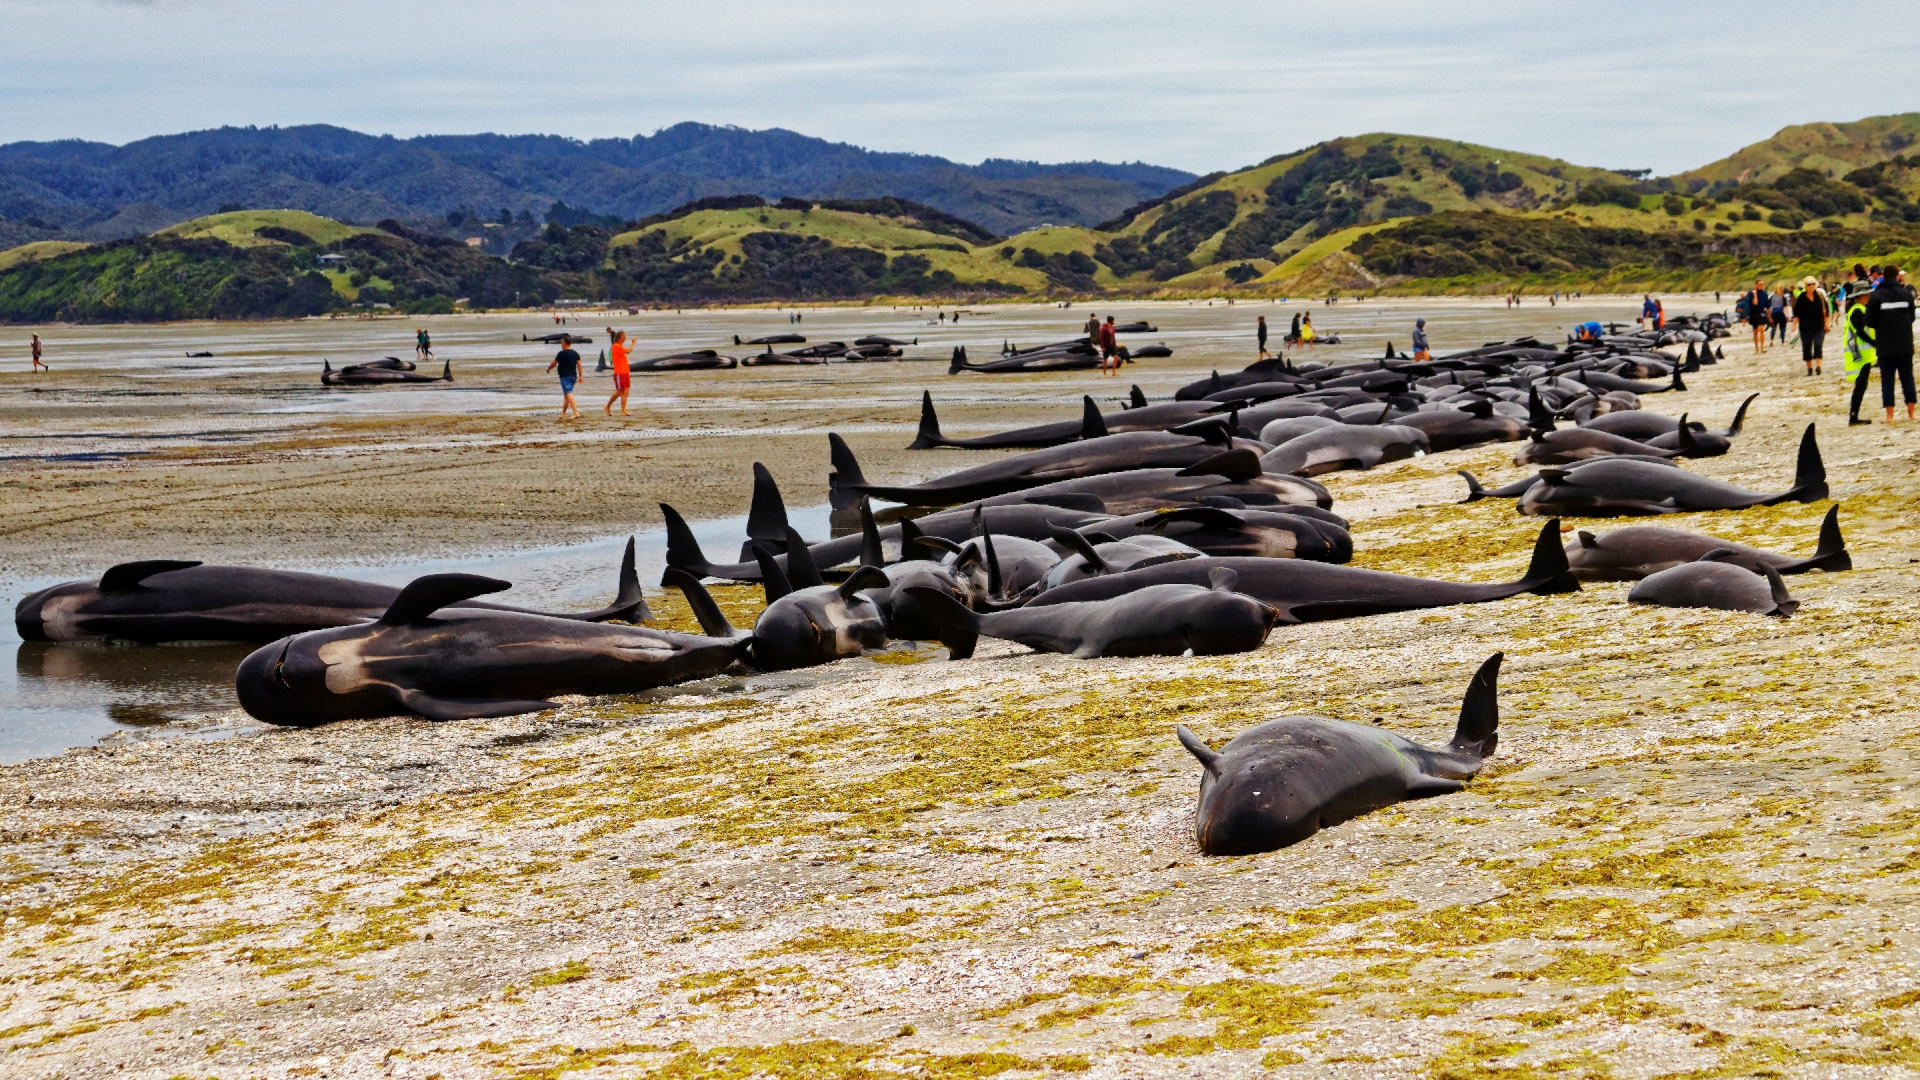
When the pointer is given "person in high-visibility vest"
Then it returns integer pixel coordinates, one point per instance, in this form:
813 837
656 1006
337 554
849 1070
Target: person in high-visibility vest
1859 354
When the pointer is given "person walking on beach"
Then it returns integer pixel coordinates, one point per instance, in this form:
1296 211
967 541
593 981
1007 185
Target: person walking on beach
1093 330
1857 355
568 363
1890 322
1260 331
1758 305
1777 314
1109 348
1306 330
38 364
1420 340
618 348
1810 311
1293 332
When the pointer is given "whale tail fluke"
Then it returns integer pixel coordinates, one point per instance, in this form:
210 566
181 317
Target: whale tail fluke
1549 571
1475 490
844 482
1739 418
1478 732
629 603
957 628
1831 555
1209 760
1677 383
929 436
1783 604
957 363
713 622
683 550
1810 475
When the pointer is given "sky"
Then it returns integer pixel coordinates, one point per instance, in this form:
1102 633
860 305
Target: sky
1198 85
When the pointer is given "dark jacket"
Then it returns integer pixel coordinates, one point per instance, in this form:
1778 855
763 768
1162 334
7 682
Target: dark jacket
1890 320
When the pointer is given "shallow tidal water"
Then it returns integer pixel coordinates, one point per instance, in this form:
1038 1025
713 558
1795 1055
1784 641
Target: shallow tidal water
118 393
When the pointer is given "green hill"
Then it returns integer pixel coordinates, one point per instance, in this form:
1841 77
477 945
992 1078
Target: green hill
37 251
255 228
1831 149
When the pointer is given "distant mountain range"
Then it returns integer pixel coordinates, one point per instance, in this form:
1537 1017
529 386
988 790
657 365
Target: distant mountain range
79 190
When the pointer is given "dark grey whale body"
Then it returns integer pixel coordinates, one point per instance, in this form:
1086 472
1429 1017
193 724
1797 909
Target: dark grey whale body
425 657
1280 782
159 601
370 375
1613 487
1091 425
697 360
1303 591
1640 550
1711 582
1163 620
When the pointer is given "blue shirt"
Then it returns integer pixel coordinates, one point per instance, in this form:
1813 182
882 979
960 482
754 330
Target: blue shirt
1587 331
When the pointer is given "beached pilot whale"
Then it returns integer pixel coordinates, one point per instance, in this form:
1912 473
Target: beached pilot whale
372 375
427 657
1613 487
1714 581
1303 591
1641 550
808 622
1164 620
772 339
1280 782
877 339
1091 425
164 600
698 359
555 339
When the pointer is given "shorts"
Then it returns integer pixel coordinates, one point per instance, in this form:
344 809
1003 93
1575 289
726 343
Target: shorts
622 380
566 383
1108 352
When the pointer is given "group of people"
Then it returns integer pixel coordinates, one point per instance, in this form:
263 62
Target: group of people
567 363
1300 333
1102 336
1874 306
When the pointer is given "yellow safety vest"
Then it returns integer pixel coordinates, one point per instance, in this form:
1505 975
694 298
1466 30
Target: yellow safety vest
1859 353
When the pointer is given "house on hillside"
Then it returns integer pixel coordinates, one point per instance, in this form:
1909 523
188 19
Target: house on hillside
331 261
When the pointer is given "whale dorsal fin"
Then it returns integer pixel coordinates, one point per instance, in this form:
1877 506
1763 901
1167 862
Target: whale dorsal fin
772 578
1716 555
425 595
1092 424
1208 759
939 543
1239 466
800 565
871 553
1138 399
127 575
1587 539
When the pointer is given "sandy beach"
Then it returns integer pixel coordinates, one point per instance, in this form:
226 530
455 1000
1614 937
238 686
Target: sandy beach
1693 854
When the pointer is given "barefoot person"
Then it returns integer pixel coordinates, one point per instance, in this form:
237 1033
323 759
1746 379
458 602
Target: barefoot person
38 365
1109 348
568 363
619 350
1261 333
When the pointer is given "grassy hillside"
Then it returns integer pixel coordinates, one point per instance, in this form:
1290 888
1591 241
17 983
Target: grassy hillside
1830 149
244 228
37 251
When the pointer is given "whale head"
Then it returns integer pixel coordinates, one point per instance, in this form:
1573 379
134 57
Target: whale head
818 626
285 683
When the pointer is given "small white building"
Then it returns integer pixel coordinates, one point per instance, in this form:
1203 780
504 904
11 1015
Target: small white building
331 261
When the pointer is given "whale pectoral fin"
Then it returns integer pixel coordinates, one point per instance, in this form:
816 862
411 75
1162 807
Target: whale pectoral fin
1200 750
443 709
1427 787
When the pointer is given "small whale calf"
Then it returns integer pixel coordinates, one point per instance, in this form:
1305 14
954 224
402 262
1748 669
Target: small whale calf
1714 581
1280 782
1639 551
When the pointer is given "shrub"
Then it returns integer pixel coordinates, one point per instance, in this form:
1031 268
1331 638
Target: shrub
1674 205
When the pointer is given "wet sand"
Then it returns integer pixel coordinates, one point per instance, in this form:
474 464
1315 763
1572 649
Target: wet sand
1691 856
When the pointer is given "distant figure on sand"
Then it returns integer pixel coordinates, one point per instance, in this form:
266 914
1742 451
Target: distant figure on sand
1810 311
1109 348
1261 332
1420 340
422 344
568 362
1093 330
618 348
37 364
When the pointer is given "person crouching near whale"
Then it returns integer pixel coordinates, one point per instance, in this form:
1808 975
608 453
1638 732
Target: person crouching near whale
619 350
568 363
